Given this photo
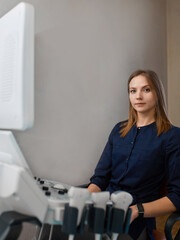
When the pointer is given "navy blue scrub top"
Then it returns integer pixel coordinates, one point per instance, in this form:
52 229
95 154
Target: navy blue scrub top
140 162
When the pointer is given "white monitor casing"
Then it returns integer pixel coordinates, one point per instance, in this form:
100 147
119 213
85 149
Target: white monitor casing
17 68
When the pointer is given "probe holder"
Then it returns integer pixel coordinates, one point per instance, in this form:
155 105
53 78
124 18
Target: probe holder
96 220
116 222
70 220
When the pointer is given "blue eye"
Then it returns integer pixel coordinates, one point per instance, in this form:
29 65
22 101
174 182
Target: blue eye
132 91
147 90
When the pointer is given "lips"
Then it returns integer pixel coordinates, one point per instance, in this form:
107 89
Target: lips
139 104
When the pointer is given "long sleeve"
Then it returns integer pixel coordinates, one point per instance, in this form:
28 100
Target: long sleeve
102 172
173 166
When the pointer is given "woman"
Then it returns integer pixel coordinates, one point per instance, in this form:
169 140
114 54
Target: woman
141 154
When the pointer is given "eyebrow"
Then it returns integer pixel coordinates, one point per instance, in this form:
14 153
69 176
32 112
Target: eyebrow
141 87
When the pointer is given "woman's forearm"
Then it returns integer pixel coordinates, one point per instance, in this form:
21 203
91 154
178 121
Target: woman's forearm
156 208
159 207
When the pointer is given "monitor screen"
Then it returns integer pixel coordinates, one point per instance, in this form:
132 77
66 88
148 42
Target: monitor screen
17 68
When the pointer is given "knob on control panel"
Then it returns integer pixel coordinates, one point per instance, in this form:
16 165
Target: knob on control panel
45 188
47 193
61 191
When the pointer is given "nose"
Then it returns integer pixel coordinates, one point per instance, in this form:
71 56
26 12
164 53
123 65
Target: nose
138 95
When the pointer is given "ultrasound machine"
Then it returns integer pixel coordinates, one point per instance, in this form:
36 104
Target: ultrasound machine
23 197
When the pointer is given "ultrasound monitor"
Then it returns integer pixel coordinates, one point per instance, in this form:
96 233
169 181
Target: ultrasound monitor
18 190
17 68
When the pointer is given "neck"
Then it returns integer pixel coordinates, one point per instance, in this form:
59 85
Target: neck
144 120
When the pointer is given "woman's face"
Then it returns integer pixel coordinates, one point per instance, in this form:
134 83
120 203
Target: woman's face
142 96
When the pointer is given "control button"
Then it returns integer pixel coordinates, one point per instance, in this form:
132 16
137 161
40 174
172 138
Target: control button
47 193
35 177
45 188
41 182
39 179
65 190
61 191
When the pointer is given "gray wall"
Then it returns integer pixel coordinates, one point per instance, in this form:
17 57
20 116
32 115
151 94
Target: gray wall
85 51
173 40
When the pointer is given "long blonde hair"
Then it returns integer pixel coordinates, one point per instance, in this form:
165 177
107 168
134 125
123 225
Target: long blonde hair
162 122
